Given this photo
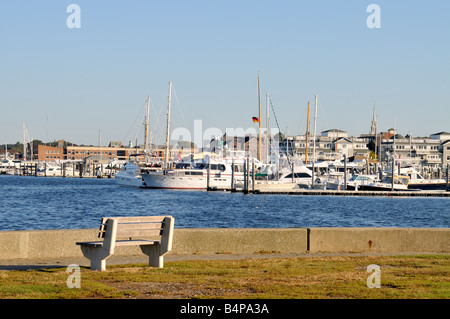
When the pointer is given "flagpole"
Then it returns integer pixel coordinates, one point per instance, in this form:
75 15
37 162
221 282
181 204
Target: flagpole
259 103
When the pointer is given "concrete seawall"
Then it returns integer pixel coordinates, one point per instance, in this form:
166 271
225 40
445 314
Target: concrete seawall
53 244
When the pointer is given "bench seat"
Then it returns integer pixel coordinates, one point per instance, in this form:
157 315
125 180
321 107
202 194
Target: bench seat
131 231
132 242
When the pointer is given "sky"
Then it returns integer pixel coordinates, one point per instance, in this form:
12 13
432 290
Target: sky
89 85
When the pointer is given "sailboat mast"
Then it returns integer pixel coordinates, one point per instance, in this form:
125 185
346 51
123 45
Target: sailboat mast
337 140
314 140
166 153
376 142
307 136
268 128
259 105
315 122
146 124
24 142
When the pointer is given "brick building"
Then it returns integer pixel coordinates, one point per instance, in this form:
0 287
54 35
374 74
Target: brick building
50 153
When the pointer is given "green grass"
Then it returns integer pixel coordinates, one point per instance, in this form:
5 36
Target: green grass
405 277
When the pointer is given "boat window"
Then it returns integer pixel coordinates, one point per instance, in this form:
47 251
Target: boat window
182 165
201 166
218 167
299 175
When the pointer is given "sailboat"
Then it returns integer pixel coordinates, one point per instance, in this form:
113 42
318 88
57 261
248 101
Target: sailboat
131 173
219 171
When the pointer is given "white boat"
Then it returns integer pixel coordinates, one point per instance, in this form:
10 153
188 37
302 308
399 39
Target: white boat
131 174
55 169
302 176
400 184
359 181
417 181
185 177
6 166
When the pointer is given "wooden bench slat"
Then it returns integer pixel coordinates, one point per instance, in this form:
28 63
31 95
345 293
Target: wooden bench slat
138 219
140 226
138 233
135 242
133 223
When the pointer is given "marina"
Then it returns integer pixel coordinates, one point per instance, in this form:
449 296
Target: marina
59 203
236 176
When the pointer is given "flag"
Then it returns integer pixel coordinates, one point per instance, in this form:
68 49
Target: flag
255 119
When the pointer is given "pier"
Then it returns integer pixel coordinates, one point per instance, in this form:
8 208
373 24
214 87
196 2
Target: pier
320 192
67 169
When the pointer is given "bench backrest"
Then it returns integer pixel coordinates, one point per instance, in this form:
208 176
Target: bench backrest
138 228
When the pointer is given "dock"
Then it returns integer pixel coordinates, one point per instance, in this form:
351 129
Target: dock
320 192
68 169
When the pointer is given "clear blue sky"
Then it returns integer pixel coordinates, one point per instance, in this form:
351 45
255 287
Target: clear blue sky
72 83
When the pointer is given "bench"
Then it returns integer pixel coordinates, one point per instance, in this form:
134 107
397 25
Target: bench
131 231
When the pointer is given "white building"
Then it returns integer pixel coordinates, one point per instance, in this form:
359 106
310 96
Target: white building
330 145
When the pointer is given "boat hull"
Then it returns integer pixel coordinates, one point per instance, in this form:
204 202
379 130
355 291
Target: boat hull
129 181
374 188
168 181
428 186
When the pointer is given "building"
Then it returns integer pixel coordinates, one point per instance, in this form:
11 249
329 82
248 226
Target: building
50 153
352 146
442 136
424 151
115 151
334 133
330 145
445 150
444 147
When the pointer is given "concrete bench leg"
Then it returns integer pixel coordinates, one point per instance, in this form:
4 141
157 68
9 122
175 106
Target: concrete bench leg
97 256
153 253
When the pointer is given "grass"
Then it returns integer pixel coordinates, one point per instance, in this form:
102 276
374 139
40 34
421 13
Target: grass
402 277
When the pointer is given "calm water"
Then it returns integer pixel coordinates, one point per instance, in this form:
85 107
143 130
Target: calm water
28 203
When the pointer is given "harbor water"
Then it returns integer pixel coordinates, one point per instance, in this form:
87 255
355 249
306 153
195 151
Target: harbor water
36 203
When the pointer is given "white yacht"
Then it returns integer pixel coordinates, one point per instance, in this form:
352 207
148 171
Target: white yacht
131 174
417 181
55 169
6 166
302 175
359 181
367 183
183 176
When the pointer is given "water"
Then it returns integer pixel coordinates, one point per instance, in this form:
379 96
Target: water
32 203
